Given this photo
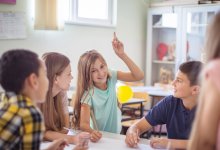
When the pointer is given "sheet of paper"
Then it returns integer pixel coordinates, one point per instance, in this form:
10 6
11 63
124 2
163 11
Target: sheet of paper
109 144
106 144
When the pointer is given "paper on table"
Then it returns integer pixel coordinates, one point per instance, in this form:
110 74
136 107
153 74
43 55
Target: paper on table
106 144
72 132
109 144
116 144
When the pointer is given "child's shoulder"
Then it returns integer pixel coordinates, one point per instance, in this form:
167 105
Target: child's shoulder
212 72
212 67
87 94
30 112
112 75
112 72
171 101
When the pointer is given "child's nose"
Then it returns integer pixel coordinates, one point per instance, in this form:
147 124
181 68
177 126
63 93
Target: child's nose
173 83
101 73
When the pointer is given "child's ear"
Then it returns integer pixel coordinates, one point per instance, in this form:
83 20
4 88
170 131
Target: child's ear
195 90
55 79
33 81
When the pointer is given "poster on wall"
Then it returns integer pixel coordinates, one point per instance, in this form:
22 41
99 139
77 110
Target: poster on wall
8 1
12 25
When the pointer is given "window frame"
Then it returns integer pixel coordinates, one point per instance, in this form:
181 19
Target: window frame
73 17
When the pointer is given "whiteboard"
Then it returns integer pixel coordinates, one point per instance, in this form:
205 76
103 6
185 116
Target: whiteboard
12 25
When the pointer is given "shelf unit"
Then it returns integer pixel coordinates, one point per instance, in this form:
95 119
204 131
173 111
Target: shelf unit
176 28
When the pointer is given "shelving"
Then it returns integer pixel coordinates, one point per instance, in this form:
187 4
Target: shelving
194 30
174 35
164 62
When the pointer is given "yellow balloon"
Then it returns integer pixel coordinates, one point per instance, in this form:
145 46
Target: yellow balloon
124 93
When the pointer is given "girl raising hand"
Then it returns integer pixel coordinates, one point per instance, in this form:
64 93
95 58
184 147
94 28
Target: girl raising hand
96 106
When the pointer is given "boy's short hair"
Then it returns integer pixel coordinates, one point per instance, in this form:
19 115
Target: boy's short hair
15 66
192 70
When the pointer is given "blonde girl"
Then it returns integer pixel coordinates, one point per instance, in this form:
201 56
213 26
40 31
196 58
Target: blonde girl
96 106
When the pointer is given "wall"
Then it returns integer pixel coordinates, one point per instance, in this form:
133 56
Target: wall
75 39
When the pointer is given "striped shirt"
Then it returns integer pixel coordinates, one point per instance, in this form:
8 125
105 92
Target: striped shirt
21 123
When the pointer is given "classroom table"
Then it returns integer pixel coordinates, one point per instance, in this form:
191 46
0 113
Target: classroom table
70 110
109 141
70 94
135 101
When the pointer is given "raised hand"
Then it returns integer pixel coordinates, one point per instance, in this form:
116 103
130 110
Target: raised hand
117 46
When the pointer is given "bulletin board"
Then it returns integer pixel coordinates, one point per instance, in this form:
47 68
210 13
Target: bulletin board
12 25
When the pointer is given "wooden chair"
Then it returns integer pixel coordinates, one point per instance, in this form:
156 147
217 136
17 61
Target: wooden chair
126 124
134 109
134 83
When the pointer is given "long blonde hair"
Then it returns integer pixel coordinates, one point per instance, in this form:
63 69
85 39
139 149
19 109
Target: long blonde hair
52 108
212 47
84 81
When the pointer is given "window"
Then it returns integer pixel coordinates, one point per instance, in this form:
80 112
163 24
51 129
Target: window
92 12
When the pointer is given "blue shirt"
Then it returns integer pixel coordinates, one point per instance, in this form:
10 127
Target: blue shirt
104 104
171 111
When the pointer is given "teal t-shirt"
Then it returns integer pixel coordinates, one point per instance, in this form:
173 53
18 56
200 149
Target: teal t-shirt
105 106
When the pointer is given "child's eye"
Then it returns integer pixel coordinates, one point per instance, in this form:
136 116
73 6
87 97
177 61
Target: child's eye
103 66
179 81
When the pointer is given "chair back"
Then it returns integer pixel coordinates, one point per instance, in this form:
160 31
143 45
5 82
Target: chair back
141 95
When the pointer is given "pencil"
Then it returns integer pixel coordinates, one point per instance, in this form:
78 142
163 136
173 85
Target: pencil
93 120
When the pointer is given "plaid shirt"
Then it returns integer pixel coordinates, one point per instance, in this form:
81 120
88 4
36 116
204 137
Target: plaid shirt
21 123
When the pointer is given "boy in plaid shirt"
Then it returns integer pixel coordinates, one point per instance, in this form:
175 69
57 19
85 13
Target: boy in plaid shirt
23 77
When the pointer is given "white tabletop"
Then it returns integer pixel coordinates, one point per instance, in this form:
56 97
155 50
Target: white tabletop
70 94
134 100
152 91
109 141
70 109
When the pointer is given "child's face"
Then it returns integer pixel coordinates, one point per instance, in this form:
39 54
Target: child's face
99 72
43 83
64 79
181 85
